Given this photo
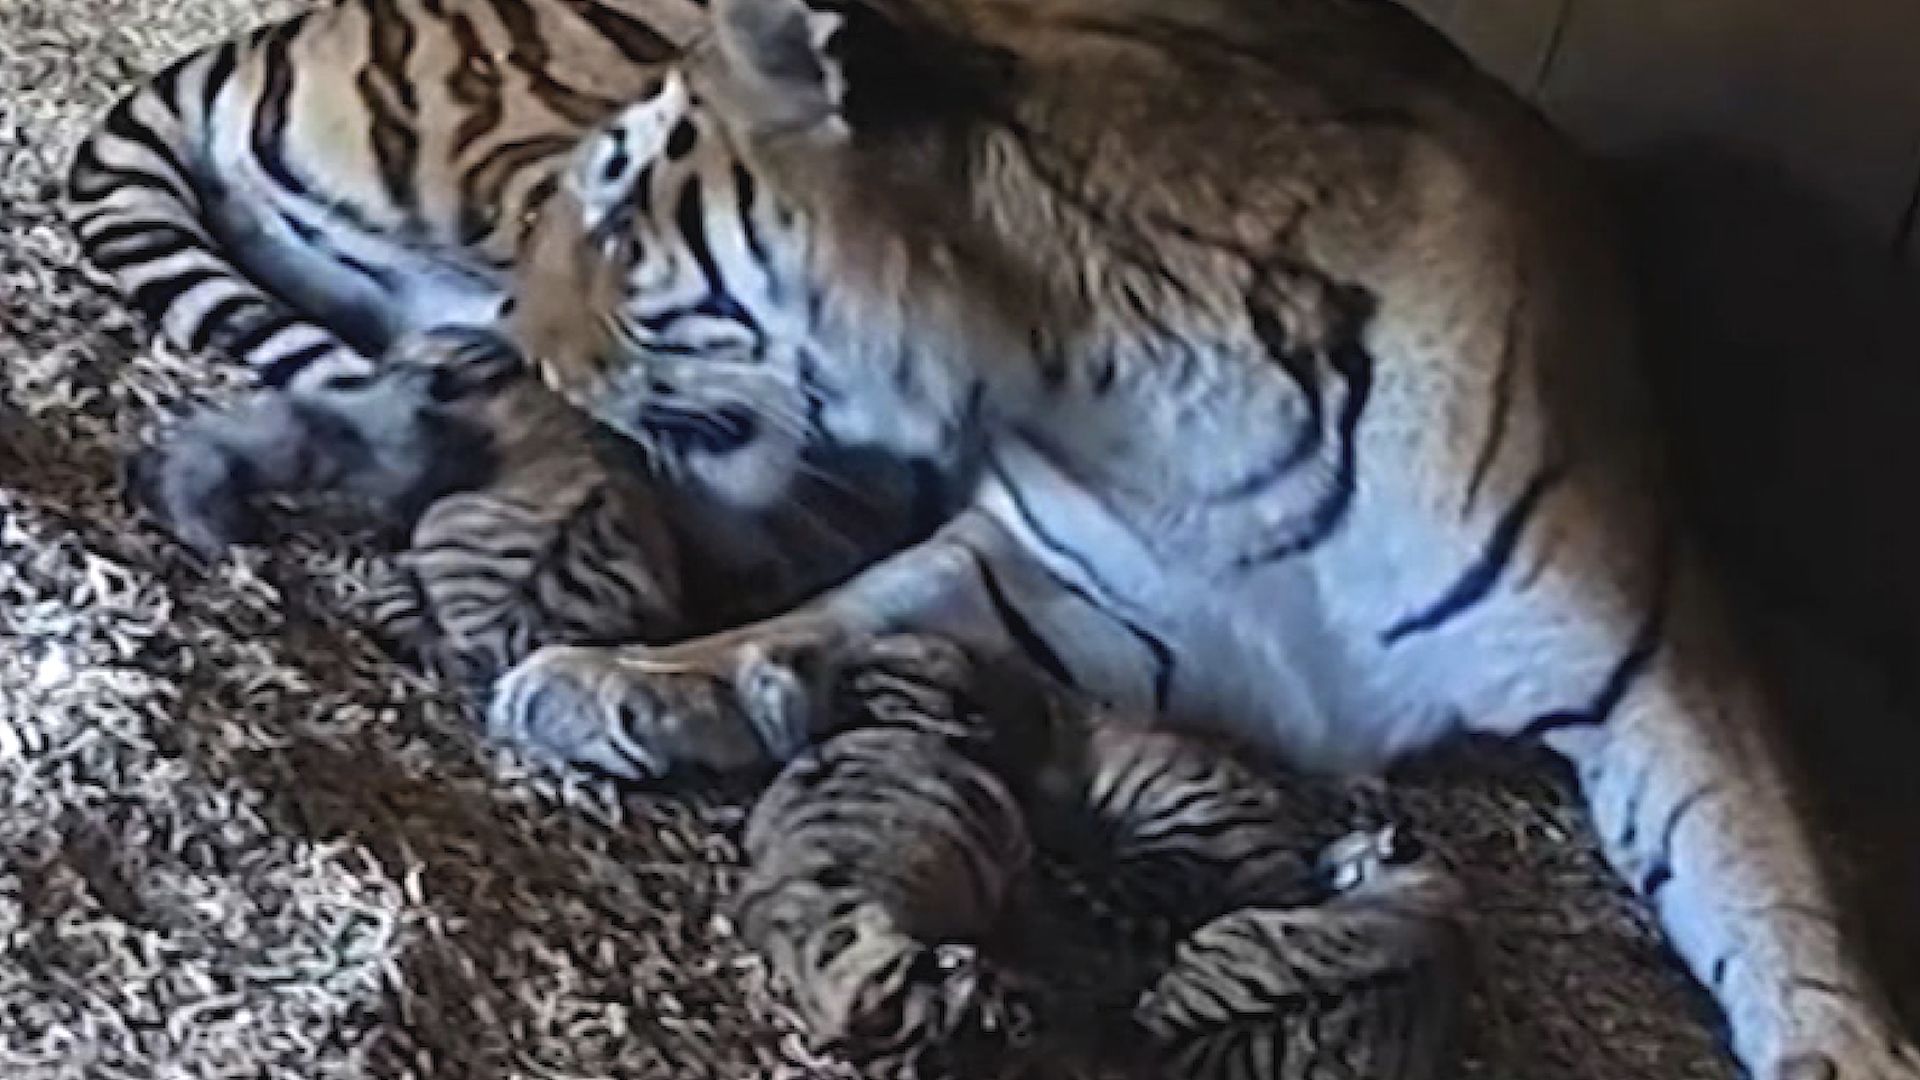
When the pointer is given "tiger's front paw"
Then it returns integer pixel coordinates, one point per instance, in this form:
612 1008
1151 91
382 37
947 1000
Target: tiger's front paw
1845 1051
639 713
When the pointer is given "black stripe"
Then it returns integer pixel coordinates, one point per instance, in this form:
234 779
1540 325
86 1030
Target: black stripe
93 179
1104 374
166 85
690 218
245 341
1630 825
636 41
1633 663
1023 631
483 186
155 297
1484 573
123 231
474 83
218 318
1502 405
220 69
1168 811
1302 366
1661 871
137 241
1717 973
533 56
744 192
1125 794
153 246
122 124
1162 654
1355 366
531 207
382 83
389 281
1048 540
122 228
270 114
281 371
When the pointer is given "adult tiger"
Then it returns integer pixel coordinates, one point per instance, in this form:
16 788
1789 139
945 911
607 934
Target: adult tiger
332 189
1289 373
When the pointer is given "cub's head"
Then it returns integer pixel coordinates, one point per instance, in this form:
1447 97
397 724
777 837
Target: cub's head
1367 858
897 223
1390 865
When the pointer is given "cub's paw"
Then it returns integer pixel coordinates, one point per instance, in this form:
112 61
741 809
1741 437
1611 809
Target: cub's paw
639 713
195 490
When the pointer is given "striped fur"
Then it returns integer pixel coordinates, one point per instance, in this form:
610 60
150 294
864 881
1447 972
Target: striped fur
305 195
1313 420
879 861
1367 984
1159 831
554 547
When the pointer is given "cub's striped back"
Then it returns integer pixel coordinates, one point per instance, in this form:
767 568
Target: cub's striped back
1157 831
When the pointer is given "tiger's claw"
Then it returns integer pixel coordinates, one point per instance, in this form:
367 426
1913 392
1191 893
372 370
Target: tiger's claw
639 713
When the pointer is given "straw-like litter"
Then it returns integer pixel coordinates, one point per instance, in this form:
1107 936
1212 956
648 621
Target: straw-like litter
237 841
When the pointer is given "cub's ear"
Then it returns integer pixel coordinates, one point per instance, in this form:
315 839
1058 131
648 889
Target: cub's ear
783 61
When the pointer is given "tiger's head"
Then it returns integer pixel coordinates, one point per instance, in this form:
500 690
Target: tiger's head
903 223
880 995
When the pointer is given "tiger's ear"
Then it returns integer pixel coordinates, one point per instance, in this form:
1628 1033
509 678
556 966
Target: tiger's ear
784 59
613 161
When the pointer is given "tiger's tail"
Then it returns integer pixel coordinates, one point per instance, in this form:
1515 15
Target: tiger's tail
137 198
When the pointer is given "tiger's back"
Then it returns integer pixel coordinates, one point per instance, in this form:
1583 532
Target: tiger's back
305 194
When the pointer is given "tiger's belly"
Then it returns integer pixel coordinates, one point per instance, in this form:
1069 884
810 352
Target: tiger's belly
1261 659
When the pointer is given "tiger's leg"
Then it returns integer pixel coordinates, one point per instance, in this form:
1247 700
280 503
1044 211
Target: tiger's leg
393 441
1698 808
753 695
1695 805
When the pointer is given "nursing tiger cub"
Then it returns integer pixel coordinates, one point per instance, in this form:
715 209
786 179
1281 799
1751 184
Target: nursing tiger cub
519 533
1368 983
1290 376
880 862
1159 831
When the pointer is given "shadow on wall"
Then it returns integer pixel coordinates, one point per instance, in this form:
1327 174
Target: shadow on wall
1785 354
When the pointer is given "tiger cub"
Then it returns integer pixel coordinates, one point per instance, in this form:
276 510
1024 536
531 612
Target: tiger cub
1366 984
557 544
880 860
520 533
1155 832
